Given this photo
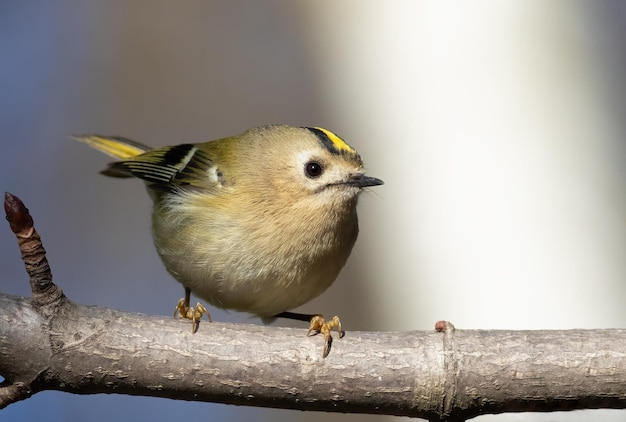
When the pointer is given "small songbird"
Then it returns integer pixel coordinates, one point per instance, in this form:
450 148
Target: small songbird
260 222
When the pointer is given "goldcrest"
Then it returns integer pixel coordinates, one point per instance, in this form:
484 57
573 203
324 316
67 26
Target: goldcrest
260 222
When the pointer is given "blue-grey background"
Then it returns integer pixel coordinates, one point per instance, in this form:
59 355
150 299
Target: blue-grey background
498 128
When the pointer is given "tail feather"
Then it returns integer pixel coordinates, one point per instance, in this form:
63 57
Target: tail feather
115 146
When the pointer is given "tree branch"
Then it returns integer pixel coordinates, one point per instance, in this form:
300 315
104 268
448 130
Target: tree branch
50 343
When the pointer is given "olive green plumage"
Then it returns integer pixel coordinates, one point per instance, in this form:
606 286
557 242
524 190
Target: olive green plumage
261 222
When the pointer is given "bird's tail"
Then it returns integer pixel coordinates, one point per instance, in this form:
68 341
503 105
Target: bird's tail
115 146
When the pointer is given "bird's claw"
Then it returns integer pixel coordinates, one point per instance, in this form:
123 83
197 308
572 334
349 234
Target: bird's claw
183 310
319 325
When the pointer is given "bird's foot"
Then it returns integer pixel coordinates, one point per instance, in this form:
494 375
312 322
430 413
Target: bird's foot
319 325
183 310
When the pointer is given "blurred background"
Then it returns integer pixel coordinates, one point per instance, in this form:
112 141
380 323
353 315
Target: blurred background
498 128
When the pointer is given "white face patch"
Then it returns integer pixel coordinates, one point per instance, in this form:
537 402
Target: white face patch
305 157
332 174
215 176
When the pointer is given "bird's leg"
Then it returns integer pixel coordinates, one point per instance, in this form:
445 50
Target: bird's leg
317 324
183 310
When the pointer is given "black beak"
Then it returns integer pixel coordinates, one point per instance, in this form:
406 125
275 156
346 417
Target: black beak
363 181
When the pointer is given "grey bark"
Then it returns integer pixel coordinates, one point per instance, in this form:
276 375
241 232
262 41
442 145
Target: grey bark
451 375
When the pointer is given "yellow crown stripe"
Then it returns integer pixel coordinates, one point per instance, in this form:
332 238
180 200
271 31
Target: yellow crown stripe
337 142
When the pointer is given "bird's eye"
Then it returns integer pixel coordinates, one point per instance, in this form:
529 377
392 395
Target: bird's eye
313 169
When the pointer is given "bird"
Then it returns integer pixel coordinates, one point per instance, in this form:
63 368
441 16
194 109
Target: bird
261 222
